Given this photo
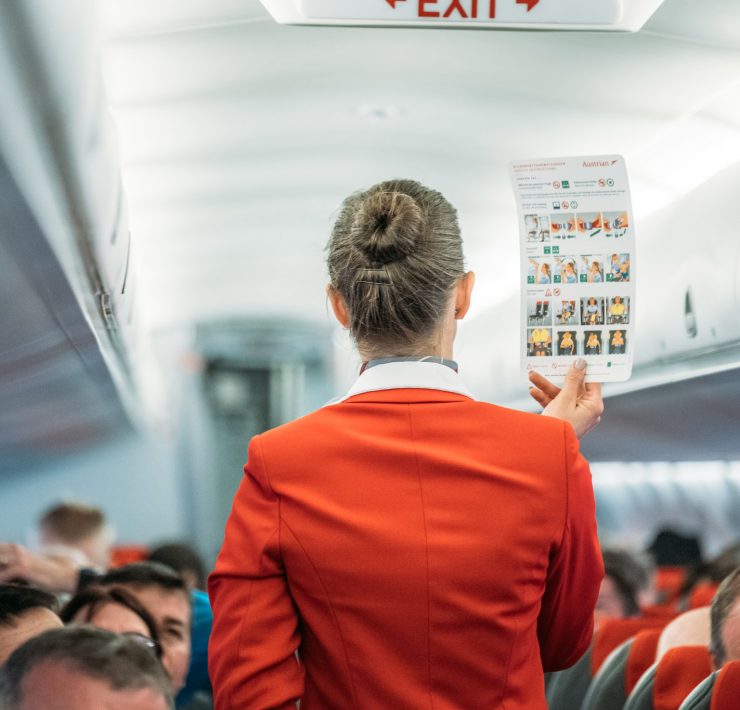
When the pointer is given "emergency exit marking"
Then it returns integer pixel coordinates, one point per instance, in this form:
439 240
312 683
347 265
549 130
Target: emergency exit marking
467 9
602 14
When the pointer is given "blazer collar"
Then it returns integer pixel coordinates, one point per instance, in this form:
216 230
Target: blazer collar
407 375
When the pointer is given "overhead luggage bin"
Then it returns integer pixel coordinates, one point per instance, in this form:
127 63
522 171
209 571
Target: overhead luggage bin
602 15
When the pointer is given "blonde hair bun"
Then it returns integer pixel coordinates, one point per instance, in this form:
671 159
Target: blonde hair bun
387 227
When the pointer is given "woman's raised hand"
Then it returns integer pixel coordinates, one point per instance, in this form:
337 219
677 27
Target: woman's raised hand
577 402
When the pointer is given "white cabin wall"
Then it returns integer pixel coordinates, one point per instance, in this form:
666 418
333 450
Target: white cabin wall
691 244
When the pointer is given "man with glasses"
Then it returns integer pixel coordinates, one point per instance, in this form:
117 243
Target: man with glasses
84 668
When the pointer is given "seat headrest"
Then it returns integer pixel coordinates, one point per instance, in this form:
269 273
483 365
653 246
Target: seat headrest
641 657
679 671
614 632
726 695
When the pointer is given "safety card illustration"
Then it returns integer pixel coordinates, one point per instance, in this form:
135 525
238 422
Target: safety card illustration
578 263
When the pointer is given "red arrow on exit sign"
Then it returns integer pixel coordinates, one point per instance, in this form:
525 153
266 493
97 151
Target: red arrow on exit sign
392 3
529 3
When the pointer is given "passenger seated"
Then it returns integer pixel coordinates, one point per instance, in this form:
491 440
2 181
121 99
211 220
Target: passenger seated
164 595
186 561
702 582
114 610
624 588
25 612
79 531
84 668
689 629
725 621
182 558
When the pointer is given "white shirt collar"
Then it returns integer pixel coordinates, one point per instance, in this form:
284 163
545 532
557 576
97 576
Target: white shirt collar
406 375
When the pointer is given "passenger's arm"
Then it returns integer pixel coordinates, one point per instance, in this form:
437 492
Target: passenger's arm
566 620
55 573
252 660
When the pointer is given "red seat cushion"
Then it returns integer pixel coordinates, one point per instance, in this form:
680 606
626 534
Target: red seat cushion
668 581
679 671
726 693
614 632
641 657
702 594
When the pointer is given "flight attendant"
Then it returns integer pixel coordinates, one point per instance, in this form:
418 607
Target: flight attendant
407 546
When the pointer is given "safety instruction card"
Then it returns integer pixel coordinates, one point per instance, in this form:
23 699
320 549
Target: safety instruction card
578 262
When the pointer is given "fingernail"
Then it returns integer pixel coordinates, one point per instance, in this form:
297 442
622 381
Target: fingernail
580 364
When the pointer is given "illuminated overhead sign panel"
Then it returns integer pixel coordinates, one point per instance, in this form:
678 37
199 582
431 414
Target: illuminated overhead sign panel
495 14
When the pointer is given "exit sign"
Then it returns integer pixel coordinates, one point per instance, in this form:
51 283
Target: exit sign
496 14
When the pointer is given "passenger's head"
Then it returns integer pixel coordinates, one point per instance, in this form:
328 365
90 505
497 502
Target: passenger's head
725 644
78 526
113 609
25 612
182 558
164 595
86 669
689 629
397 272
625 578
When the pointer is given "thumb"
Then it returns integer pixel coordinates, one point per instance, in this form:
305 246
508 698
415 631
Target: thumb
574 379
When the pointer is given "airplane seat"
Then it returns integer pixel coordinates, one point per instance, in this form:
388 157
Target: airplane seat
620 672
666 684
126 554
607 689
567 689
615 632
721 691
700 697
668 581
702 594
642 656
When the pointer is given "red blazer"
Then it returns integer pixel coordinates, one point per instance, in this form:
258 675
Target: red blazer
418 549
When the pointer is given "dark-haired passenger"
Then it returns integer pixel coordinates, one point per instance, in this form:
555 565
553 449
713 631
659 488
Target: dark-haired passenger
83 668
182 558
25 612
162 592
416 547
185 560
114 610
624 589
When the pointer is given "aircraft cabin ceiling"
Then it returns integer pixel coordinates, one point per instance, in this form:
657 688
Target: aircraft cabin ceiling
240 137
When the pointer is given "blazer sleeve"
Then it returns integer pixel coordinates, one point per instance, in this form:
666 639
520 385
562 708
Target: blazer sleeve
565 623
252 660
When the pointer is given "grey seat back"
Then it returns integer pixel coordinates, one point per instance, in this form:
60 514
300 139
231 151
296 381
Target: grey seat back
700 697
566 689
641 697
608 688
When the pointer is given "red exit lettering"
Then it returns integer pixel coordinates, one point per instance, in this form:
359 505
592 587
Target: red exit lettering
466 9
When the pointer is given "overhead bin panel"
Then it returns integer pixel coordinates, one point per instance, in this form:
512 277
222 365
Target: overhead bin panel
610 15
59 143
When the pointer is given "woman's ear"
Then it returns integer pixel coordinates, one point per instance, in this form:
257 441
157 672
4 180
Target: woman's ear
463 291
338 305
